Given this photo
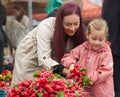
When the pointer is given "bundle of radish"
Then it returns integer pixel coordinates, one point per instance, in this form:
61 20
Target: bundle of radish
46 84
79 76
5 78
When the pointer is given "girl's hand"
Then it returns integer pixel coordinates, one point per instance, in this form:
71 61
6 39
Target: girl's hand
71 67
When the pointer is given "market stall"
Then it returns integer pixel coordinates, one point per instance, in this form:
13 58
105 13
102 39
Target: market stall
47 84
91 9
87 13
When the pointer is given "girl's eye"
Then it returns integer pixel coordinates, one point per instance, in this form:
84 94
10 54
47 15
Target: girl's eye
93 38
101 39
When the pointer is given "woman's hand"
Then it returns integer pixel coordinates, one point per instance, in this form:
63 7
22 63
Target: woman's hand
60 69
66 71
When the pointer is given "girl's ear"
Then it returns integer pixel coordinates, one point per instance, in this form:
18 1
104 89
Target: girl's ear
86 35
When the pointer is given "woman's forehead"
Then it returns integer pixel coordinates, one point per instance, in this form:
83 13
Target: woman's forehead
71 18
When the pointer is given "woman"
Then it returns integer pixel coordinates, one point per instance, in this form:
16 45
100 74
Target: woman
45 45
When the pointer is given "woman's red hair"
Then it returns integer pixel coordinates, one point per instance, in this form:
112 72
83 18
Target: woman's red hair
59 38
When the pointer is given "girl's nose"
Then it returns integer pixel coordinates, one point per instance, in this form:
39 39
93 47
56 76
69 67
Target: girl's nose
96 42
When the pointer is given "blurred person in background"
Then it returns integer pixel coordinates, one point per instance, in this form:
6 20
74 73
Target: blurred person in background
3 38
53 5
21 15
17 28
112 15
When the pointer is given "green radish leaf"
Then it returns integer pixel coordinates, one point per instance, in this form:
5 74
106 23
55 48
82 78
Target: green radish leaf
60 94
83 69
77 93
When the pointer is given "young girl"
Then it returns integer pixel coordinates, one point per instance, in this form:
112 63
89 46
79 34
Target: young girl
94 55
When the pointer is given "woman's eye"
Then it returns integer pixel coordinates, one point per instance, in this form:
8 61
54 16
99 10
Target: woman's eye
67 24
76 24
70 24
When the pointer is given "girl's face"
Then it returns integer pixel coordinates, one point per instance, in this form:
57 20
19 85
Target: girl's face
96 39
71 24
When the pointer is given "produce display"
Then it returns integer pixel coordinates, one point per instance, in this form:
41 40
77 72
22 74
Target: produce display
47 84
5 82
5 78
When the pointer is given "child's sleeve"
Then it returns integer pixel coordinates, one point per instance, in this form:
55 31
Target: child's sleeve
104 71
71 58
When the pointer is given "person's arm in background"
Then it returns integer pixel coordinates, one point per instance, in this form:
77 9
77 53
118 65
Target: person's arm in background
2 15
25 21
3 18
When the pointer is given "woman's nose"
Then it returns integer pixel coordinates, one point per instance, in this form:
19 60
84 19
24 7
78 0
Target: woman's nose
72 28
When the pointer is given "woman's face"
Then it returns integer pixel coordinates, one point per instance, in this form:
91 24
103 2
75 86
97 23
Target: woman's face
71 24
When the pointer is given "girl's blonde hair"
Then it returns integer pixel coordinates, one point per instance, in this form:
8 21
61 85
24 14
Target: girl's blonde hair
98 25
